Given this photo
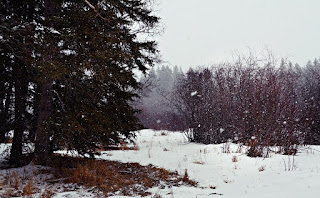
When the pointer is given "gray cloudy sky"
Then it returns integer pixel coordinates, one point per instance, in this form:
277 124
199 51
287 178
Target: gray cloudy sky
202 32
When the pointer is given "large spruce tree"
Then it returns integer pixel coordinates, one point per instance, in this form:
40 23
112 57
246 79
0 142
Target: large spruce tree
76 62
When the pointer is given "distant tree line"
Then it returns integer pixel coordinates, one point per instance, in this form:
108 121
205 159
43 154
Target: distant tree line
67 73
258 102
157 111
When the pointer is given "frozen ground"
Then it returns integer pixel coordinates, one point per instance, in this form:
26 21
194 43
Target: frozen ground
220 174
207 164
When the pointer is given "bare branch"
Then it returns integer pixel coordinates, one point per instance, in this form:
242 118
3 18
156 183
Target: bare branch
95 10
89 4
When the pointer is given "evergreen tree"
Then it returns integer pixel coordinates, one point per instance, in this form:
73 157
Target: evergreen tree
78 71
16 18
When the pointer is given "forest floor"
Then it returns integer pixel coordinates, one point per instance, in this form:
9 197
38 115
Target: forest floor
164 164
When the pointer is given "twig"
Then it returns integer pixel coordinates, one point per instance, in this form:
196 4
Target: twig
89 4
95 10
285 165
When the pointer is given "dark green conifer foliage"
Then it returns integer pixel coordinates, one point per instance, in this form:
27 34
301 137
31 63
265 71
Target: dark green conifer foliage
16 17
79 57
92 101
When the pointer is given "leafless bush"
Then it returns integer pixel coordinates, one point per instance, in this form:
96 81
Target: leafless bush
252 97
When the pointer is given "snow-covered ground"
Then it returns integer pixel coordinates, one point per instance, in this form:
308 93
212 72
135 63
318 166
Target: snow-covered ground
231 174
218 173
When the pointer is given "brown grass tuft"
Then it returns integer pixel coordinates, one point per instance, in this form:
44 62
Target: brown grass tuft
16 182
186 179
28 189
124 146
186 176
136 148
130 179
234 159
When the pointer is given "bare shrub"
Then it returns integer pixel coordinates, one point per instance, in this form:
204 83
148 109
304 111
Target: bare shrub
226 147
253 96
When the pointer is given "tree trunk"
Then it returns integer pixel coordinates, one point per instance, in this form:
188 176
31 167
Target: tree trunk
2 112
21 90
2 135
6 116
44 103
42 139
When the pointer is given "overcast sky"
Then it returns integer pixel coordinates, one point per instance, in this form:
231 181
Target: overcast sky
203 32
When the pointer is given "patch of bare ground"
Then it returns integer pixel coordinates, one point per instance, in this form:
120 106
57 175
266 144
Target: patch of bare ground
113 177
99 177
25 182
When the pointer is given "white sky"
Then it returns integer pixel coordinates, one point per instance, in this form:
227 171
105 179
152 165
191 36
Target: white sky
203 32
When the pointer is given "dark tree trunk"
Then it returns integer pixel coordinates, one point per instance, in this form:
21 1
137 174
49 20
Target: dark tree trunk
21 90
42 139
2 111
2 134
2 120
44 103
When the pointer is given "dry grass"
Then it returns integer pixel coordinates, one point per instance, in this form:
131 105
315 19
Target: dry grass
186 179
198 162
8 193
28 189
128 178
47 193
136 148
124 146
234 159
156 196
18 184
107 177
186 176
